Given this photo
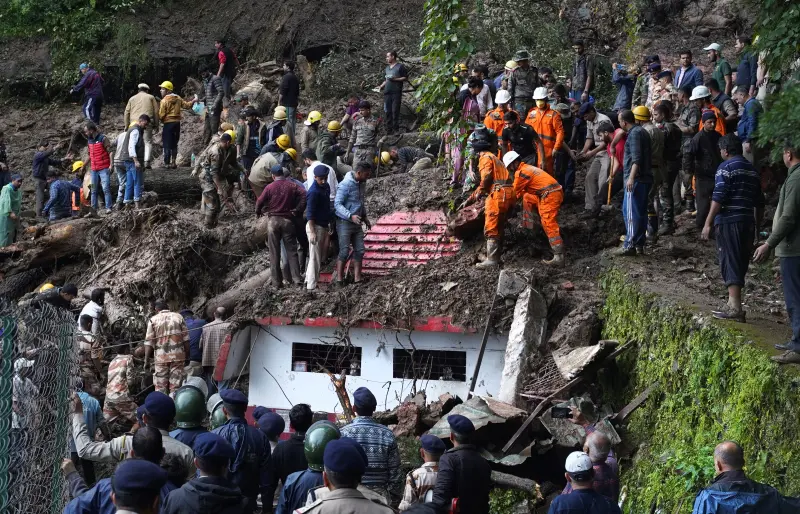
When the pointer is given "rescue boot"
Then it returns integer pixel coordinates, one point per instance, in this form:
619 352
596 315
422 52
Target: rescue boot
492 255
210 221
558 259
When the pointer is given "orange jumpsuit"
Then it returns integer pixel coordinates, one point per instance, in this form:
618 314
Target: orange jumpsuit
540 190
720 126
547 123
496 183
494 120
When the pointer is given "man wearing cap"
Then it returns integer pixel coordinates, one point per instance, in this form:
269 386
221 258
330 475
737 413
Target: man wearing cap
211 492
310 134
10 204
59 206
212 94
248 470
144 103
220 170
92 84
464 475
421 481
654 87
318 226
345 462
722 70
643 117
521 138
289 96
701 96
383 469
276 128
638 178
248 138
688 73
583 499
494 118
136 485
522 82
594 149
289 456
725 104
583 71
412 158
170 114
705 159
272 425
159 412
364 136
641 89
282 201
667 91
624 83
547 124
133 157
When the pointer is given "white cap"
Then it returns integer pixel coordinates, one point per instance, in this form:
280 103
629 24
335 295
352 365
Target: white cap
502 97
700 92
578 462
509 157
143 86
713 46
540 93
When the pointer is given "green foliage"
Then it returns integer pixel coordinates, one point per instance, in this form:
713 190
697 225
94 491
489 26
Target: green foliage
444 44
502 501
780 122
713 386
631 26
778 29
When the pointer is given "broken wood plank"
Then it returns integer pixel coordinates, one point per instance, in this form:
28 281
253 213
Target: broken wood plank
626 411
515 482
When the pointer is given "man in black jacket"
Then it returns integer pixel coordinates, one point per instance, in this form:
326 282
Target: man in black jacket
59 297
211 492
705 159
289 456
463 473
290 94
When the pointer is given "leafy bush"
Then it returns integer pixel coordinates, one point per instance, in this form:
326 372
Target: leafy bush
781 121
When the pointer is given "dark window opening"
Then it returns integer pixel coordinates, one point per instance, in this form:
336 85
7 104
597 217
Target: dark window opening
316 53
319 358
430 365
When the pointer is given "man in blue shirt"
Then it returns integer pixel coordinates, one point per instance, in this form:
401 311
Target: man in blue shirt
93 414
92 84
737 207
747 70
624 82
318 214
583 499
351 212
59 206
42 160
688 74
195 326
748 124
638 177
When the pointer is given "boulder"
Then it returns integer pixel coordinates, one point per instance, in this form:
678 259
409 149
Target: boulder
409 420
581 327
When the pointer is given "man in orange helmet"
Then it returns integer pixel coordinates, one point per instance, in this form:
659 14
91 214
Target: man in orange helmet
547 123
496 186
541 191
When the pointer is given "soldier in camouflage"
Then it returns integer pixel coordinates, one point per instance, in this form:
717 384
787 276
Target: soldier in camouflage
219 170
119 402
167 337
364 137
89 354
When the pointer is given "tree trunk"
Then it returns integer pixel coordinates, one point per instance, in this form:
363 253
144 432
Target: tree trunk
169 185
52 242
229 298
515 482
428 141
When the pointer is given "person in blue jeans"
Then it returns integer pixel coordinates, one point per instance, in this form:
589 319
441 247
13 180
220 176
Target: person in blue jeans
92 84
351 212
638 177
100 150
785 239
134 163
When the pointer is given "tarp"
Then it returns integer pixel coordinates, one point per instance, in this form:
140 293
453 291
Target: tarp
481 411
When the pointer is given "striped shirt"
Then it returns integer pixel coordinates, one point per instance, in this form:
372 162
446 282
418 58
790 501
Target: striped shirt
383 469
737 187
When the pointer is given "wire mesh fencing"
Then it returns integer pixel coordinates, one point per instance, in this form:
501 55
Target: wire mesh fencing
38 371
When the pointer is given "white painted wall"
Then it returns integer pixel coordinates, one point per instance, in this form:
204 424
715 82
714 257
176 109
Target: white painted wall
272 349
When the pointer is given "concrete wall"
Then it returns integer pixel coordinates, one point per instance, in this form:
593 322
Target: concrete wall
272 349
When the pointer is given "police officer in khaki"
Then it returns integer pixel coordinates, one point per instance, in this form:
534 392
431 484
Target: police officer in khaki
344 464
364 136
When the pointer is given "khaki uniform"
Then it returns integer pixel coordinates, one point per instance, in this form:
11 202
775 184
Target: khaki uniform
167 333
260 174
143 103
216 162
344 501
418 483
364 139
118 399
88 350
308 138
119 448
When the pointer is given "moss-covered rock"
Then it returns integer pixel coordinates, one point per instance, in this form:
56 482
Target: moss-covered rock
714 385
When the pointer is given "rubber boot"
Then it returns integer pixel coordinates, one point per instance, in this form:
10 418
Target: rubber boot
174 164
557 261
357 272
492 255
210 221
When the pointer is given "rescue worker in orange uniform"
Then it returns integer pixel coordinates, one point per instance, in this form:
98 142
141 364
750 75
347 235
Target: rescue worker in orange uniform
547 123
701 96
541 191
494 118
496 186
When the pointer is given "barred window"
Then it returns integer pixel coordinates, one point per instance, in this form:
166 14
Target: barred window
430 365
317 358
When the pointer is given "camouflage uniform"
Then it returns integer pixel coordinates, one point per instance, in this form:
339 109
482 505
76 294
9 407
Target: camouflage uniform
118 399
216 162
88 350
418 483
167 333
364 139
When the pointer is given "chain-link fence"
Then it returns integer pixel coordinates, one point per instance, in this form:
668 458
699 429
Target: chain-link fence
38 369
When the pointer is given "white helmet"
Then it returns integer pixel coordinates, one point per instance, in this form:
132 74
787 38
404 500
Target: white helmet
510 157
540 93
700 92
502 97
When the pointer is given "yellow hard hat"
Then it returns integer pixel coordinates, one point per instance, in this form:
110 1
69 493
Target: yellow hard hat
133 123
511 65
641 113
314 116
279 114
459 67
76 166
455 80
231 133
291 152
334 126
283 141
167 85
46 287
386 158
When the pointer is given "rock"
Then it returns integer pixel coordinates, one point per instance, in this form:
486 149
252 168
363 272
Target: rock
510 284
440 408
387 418
704 32
409 420
581 327
568 286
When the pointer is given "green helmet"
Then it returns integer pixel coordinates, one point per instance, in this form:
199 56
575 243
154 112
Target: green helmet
216 416
317 436
189 407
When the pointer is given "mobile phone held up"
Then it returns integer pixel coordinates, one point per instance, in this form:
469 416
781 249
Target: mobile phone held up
560 412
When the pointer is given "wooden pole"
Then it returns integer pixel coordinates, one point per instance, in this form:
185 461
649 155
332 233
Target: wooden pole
483 347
